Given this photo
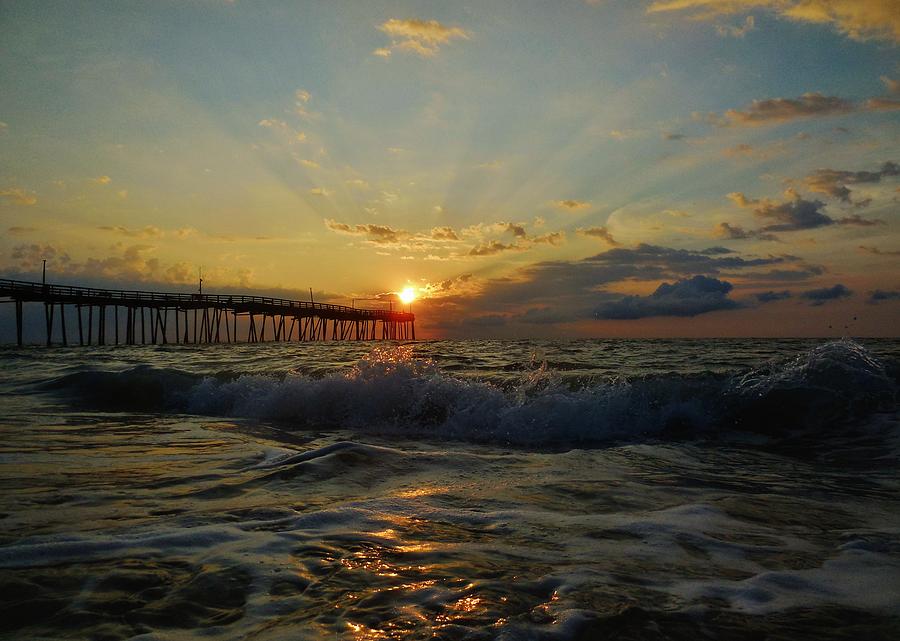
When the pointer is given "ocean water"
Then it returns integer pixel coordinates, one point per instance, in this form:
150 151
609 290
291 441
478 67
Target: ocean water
727 489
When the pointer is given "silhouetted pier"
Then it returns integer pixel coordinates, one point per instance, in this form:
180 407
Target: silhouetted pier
154 317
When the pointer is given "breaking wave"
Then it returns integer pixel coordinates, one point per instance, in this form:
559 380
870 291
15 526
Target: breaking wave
828 387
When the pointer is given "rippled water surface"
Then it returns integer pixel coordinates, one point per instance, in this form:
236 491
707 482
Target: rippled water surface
735 489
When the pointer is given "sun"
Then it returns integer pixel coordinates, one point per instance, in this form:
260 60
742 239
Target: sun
408 295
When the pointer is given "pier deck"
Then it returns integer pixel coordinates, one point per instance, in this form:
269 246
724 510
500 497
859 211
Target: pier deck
159 317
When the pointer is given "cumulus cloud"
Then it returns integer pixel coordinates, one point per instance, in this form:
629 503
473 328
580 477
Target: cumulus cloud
689 297
794 214
827 294
18 196
833 182
421 37
572 205
598 232
444 233
102 180
858 19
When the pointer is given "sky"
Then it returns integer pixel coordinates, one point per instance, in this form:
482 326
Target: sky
561 168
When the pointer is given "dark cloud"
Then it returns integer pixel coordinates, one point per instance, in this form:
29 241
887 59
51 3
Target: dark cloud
794 214
690 297
673 136
858 220
598 232
880 295
736 232
770 296
877 251
553 238
827 294
574 288
833 182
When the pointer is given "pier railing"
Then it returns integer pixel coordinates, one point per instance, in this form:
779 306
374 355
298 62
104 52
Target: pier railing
311 318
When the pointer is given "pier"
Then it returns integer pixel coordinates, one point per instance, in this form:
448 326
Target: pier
159 318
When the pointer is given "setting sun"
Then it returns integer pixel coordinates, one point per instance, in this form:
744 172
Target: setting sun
408 295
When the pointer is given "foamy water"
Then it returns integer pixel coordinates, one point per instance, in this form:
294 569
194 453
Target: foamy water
511 490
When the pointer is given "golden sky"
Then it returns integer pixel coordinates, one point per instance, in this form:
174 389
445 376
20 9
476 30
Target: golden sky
570 168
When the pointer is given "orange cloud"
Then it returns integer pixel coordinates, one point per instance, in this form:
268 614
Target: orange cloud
422 37
858 19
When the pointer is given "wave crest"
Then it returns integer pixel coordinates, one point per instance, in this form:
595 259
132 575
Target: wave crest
391 392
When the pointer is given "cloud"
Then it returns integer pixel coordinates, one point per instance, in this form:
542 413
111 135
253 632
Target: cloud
379 234
572 204
689 297
794 214
598 232
880 295
892 86
492 247
770 296
673 136
102 180
742 200
319 191
833 182
732 31
857 19
421 37
825 295
312 164
444 233
779 110
859 221
19 196
144 232
3 128
20 231
553 238
878 252
736 232
881 104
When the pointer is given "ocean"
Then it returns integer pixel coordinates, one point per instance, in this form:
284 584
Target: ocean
588 489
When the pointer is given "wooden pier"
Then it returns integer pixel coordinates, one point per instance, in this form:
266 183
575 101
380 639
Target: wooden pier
159 318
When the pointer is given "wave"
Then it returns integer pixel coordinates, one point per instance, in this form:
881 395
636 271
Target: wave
831 385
